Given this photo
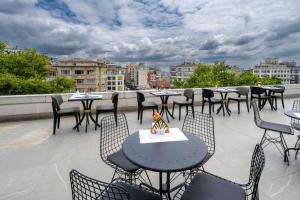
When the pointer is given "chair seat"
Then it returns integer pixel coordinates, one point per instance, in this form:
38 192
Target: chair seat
121 161
149 104
238 98
296 126
208 187
69 110
182 102
138 193
105 108
262 97
282 128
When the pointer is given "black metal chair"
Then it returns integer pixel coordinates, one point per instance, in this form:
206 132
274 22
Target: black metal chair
242 93
296 124
206 186
142 105
208 96
260 94
111 139
58 112
202 125
274 127
189 95
86 188
278 93
108 108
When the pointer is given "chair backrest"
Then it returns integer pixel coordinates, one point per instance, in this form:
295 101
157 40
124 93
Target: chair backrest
86 188
189 94
242 91
257 118
202 125
114 99
140 97
279 89
257 90
257 166
56 102
112 135
207 93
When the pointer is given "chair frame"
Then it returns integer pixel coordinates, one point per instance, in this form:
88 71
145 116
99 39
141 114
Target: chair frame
209 96
267 138
56 102
189 94
242 91
280 90
251 187
112 137
114 99
141 108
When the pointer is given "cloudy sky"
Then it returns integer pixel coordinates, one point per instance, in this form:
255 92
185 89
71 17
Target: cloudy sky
156 32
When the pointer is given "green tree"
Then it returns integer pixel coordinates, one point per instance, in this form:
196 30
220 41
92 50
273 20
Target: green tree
248 78
202 77
26 72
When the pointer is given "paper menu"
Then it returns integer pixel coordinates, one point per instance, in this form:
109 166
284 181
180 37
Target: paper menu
175 135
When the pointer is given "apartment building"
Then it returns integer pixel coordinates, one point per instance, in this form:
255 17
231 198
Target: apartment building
182 71
115 77
154 74
90 75
137 75
272 67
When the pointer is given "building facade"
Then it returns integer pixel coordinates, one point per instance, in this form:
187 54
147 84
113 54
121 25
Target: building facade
137 76
90 76
272 67
182 71
115 77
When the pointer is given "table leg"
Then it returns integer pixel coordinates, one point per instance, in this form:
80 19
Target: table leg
168 186
226 104
160 184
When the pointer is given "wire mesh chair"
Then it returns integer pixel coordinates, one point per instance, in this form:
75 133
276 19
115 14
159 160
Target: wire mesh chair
202 125
274 127
208 186
111 139
86 188
295 123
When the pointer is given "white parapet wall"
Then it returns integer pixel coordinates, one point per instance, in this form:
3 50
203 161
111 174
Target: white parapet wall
28 107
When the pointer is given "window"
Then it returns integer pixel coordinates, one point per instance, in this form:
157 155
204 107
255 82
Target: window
79 72
113 78
108 78
113 88
108 88
80 81
120 83
91 72
91 81
65 72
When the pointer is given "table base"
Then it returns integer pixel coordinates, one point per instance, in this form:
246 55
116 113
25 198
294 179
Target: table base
165 108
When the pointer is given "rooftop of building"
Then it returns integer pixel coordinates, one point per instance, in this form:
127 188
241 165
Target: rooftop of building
35 164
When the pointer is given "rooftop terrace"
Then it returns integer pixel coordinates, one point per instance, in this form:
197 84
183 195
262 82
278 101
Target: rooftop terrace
35 164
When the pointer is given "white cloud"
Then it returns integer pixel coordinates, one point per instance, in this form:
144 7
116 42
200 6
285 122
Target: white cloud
159 32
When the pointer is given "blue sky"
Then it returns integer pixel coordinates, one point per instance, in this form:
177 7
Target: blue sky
160 33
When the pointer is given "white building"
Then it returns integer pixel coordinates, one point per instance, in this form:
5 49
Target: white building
137 75
115 78
272 67
182 71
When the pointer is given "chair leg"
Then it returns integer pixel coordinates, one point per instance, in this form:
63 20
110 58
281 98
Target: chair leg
157 108
282 101
116 117
58 122
141 116
77 120
173 109
139 113
223 109
97 114
251 101
193 110
186 109
263 138
247 104
209 108
239 107
54 124
202 106
213 108
179 112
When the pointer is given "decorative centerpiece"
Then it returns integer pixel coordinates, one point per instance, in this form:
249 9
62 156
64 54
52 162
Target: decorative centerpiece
159 126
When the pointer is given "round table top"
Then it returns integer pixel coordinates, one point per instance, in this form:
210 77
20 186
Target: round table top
165 156
291 113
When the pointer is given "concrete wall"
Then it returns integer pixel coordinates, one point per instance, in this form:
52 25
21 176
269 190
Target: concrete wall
28 107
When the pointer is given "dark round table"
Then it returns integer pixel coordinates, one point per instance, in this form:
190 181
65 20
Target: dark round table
291 114
165 157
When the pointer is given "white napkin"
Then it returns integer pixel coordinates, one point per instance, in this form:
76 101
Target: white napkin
175 135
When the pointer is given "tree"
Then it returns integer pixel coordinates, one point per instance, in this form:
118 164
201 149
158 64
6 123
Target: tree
26 72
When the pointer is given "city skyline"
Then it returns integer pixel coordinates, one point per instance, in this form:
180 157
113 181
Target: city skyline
161 33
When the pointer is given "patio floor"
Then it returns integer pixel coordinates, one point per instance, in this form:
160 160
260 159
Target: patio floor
35 164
